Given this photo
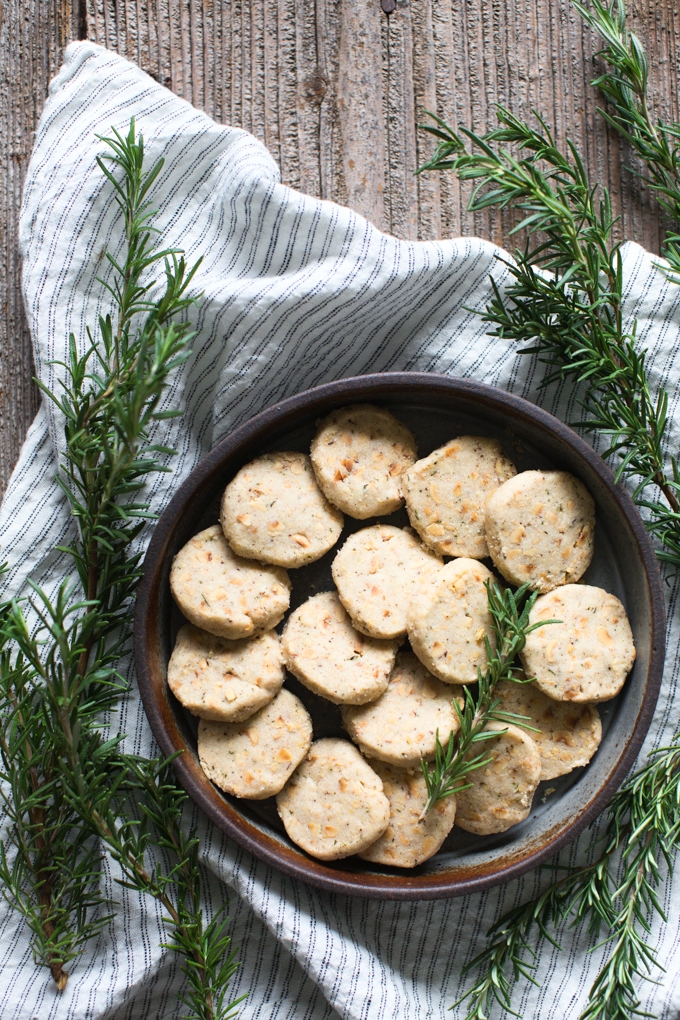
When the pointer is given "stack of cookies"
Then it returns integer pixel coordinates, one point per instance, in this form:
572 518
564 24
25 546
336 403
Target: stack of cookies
465 501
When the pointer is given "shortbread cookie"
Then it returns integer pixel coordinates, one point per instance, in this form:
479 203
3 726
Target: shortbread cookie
359 455
446 494
228 680
401 726
540 528
334 804
324 651
274 511
224 594
407 842
587 656
254 759
568 735
501 792
378 572
450 619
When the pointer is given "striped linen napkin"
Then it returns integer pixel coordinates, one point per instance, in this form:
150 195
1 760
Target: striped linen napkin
296 292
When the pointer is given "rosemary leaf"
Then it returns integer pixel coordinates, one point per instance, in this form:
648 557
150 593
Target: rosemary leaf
49 870
71 793
624 85
453 763
616 892
565 302
565 299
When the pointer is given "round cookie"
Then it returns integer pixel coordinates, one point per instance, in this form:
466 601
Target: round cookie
501 792
274 511
447 491
569 734
224 594
359 455
450 619
254 759
334 804
407 842
401 726
324 651
589 654
540 528
225 680
378 572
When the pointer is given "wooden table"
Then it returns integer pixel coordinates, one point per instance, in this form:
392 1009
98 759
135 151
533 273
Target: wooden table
335 89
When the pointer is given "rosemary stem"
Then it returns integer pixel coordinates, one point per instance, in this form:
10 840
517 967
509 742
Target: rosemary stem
564 303
510 615
73 792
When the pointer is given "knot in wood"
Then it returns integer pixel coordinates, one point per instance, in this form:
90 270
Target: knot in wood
315 86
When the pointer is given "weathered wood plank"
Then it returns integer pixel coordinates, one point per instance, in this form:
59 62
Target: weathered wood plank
429 196
310 77
32 37
335 89
401 188
325 93
360 90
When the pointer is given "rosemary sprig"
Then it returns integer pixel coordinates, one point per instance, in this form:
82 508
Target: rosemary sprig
625 87
50 875
72 792
510 615
565 300
618 891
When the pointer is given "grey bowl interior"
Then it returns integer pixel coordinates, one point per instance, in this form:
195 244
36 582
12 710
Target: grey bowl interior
435 409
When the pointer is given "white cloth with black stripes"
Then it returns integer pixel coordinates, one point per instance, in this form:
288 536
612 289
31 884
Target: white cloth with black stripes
296 291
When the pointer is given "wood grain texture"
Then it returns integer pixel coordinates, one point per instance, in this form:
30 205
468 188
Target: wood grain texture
334 89
32 38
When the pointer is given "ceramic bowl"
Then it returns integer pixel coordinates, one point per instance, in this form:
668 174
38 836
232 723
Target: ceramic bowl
436 408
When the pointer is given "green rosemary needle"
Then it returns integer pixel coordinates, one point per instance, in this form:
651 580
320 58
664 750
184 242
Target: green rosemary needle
565 302
565 299
616 892
71 794
453 763
625 86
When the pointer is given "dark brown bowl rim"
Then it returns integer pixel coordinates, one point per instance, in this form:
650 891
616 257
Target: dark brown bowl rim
474 878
